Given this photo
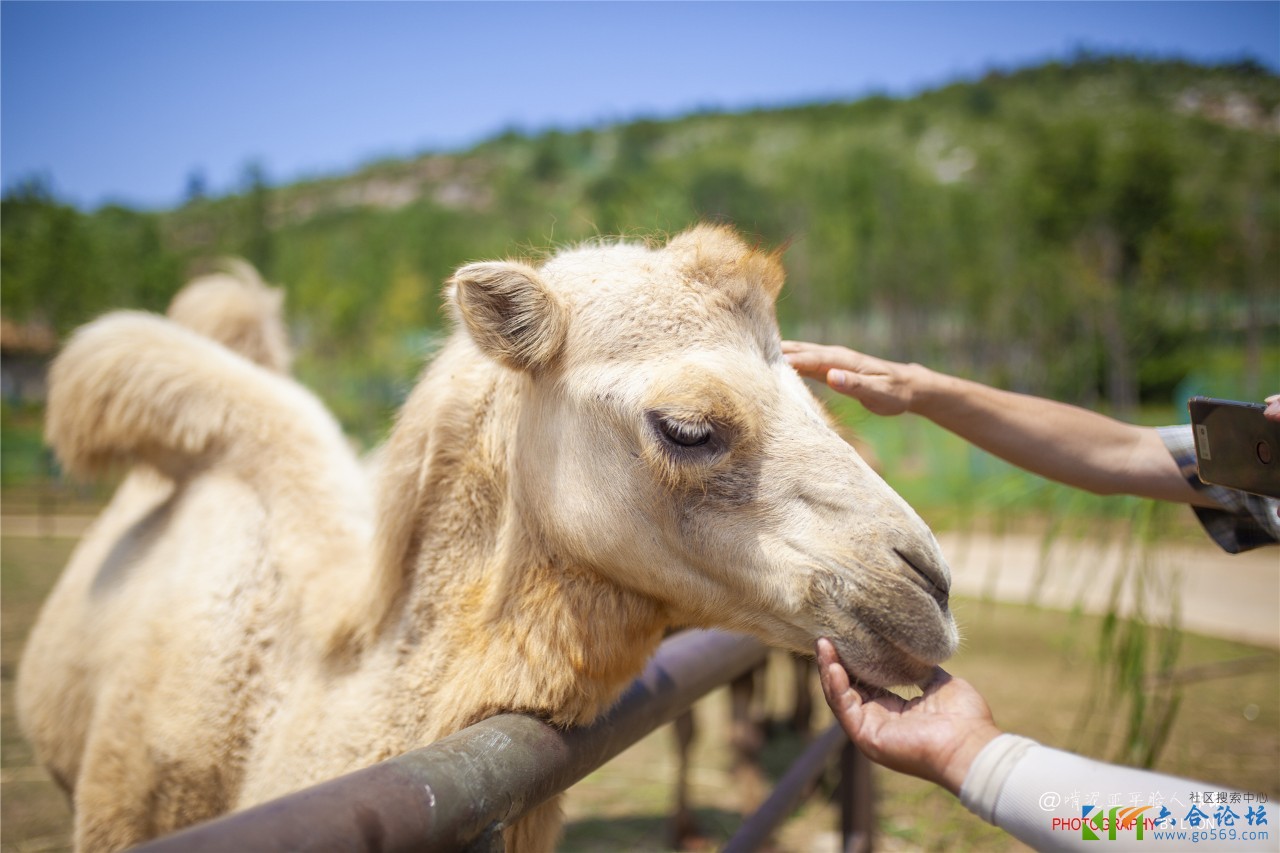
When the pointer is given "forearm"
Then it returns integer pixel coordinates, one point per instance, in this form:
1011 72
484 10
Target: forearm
1041 796
953 767
1064 443
1075 446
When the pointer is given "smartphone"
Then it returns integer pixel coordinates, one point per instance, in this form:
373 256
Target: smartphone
1236 446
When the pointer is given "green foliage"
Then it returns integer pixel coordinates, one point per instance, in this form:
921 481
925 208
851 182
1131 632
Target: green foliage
1137 652
257 239
63 267
24 459
1092 230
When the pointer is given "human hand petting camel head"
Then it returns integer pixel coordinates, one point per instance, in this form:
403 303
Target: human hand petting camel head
884 387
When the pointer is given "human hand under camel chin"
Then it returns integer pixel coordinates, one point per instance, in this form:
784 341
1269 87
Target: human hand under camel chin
935 736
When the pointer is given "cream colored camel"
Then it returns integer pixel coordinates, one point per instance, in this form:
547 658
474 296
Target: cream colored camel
608 445
237 309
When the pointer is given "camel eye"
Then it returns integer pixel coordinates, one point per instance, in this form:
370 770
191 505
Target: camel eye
682 433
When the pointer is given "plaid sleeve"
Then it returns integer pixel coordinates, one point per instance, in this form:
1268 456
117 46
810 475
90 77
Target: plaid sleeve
1245 521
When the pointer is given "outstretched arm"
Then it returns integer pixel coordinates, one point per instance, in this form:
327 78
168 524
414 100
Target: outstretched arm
947 737
1065 443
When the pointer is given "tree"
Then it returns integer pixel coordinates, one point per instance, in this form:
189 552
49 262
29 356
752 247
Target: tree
1140 205
257 240
197 187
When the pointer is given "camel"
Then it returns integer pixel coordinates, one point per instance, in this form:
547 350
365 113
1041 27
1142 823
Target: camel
610 444
236 308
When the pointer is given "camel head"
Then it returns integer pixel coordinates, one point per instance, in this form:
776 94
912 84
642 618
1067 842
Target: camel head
665 443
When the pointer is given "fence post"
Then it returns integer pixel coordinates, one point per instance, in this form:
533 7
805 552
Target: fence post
790 791
857 801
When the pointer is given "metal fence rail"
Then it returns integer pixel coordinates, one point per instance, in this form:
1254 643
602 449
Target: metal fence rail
458 793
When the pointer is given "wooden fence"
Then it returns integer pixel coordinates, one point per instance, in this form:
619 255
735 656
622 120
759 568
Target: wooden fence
460 792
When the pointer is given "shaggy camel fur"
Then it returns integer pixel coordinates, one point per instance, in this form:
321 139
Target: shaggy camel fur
608 445
238 310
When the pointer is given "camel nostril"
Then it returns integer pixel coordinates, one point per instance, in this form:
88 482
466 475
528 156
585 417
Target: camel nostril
932 580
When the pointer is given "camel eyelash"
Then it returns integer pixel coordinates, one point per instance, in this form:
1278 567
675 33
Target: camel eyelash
685 436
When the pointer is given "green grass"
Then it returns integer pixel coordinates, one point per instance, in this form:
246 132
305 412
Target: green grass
29 472
23 457
34 814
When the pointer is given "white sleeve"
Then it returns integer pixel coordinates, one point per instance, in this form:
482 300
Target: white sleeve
1055 800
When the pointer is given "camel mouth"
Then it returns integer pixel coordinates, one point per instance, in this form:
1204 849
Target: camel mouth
881 664
900 666
893 637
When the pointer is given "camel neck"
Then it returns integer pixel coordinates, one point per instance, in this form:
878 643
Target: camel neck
572 641
524 629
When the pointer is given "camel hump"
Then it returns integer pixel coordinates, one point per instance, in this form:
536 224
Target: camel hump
236 308
135 387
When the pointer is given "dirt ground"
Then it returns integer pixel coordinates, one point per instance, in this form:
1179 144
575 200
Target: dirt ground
1033 664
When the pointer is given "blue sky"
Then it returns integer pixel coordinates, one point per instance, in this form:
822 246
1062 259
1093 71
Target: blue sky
123 101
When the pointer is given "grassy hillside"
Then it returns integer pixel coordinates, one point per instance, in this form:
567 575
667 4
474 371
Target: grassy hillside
1100 230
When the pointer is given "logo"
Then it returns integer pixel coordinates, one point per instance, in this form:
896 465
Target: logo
1202 441
1119 818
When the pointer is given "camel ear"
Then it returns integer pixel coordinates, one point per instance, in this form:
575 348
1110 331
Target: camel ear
510 313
